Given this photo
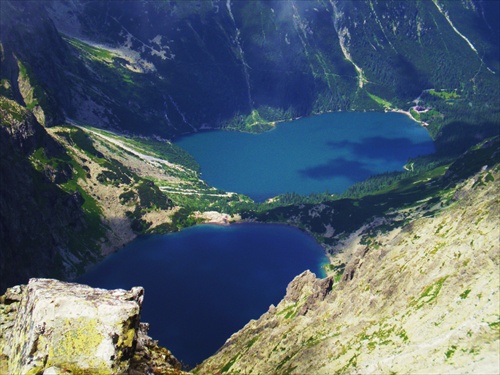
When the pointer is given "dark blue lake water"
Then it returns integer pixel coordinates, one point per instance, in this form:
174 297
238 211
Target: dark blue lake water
329 152
206 282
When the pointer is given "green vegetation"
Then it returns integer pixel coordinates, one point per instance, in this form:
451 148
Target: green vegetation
351 363
165 150
27 77
336 270
422 168
375 196
495 325
144 194
252 341
430 293
230 363
77 137
10 109
128 197
290 312
402 335
283 362
449 353
37 95
465 294
480 182
162 149
429 186
186 190
436 248
415 114
276 78
443 94
5 88
150 198
67 174
253 123
106 177
309 74
91 51
254 120
58 168
91 209
383 335
383 103
134 94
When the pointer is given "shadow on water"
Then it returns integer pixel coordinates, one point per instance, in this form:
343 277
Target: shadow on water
327 152
338 168
383 148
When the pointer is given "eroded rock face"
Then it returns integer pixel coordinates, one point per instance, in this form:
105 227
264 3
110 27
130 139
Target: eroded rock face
39 219
72 326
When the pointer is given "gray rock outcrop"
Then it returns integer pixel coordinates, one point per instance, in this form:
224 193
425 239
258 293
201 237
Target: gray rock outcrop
59 325
51 327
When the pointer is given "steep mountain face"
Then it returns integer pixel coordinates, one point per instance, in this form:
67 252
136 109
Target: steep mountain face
38 220
420 298
170 67
33 58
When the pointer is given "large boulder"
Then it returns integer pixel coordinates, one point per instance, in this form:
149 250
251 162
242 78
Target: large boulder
73 327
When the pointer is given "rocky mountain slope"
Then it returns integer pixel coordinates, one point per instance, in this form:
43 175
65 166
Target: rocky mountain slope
39 220
419 298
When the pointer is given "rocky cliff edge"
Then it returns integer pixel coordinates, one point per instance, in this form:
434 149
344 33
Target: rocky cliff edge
54 327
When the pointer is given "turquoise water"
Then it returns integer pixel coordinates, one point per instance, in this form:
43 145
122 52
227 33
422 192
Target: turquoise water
329 152
206 282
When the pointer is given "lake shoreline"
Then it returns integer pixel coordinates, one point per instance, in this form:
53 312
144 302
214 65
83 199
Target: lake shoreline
408 113
291 119
330 152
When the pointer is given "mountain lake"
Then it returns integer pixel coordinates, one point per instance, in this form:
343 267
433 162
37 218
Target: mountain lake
329 152
206 282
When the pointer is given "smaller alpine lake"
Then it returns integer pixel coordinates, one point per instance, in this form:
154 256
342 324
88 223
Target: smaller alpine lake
329 152
206 282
